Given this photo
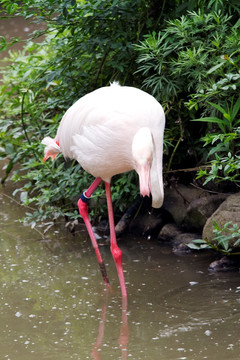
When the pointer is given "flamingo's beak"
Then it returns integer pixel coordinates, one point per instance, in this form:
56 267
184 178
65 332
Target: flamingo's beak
47 155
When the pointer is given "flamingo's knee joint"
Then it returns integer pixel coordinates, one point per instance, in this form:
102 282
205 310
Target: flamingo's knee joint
117 254
82 205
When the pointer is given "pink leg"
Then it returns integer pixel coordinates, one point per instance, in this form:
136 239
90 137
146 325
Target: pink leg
116 252
83 210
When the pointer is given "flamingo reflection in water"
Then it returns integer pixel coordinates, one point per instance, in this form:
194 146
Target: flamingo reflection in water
124 331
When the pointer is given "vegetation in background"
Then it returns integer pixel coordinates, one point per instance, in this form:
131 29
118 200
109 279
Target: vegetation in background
192 61
185 53
224 143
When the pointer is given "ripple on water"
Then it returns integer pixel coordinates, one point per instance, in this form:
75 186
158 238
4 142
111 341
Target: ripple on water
201 307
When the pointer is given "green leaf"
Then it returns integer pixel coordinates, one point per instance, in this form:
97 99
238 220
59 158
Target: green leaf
3 43
218 107
210 119
199 241
215 67
227 116
237 242
206 246
236 108
193 246
8 170
24 196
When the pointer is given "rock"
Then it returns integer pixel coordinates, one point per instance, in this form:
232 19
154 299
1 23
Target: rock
228 211
147 224
199 210
177 200
180 243
224 264
178 239
168 232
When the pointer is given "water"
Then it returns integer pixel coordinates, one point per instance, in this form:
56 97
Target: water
53 304
15 27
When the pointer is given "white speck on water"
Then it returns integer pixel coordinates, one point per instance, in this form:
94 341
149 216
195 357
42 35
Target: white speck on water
18 314
180 349
84 278
208 332
192 283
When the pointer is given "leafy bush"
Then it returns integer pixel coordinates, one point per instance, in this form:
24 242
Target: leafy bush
177 60
225 144
192 60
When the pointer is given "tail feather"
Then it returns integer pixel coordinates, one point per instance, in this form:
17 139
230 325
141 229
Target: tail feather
52 148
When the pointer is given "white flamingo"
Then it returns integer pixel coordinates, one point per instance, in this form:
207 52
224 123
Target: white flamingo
110 131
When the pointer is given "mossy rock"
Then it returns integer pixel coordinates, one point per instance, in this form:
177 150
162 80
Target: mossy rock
228 211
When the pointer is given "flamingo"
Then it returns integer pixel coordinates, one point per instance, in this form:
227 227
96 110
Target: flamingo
109 131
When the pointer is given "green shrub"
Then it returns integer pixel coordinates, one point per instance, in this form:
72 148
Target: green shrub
192 60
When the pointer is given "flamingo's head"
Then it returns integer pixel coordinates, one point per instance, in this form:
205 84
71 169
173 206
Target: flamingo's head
52 148
142 152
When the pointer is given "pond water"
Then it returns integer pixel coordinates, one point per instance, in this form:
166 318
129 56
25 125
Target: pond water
15 27
53 304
